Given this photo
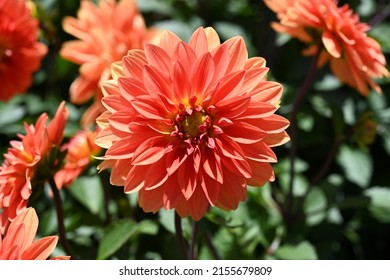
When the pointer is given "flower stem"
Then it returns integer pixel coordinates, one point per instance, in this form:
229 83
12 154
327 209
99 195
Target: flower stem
382 14
210 245
191 250
325 166
179 236
293 127
106 185
60 218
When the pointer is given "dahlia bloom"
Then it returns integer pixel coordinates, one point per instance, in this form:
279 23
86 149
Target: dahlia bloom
355 58
19 244
33 158
105 33
79 152
19 50
190 125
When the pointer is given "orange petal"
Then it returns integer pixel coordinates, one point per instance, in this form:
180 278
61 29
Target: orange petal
40 249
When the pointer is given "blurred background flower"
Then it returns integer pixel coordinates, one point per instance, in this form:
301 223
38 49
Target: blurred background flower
18 243
105 32
30 162
355 58
20 52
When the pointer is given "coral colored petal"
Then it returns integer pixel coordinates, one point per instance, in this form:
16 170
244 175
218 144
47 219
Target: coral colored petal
149 108
175 159
221 60
133 64
15 236
238 54
257 110
227 87
269 92
331 44
158 58
81 90
151 201
211 189
40 249
130 88
253 77
150 151
212 38
198 41
30 220
255 62
202 74
198 204
240 168
277 139
155 177
135 179
169 41
262 173
156 84
229 148
244 133
12 253
273 124
119 172
234 191
260 152
211 163
187 178
233 107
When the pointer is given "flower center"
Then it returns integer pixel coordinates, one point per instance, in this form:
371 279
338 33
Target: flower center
192 123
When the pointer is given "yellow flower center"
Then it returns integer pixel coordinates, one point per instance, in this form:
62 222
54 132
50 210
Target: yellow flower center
192 123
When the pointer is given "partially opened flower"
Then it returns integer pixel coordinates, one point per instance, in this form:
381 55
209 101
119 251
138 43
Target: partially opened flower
79 153
33 158
190 125
355 58
19 244
105 33
20 53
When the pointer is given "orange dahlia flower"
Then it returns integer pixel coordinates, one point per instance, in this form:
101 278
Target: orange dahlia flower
105 33
19 244
355 58
33 158
19 50
190 125
79 152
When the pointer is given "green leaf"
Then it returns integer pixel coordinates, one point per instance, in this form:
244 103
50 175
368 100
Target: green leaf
10 113
301 251
115 237
120 232
89 192
357 165
315 206
155 5
380 203
147 227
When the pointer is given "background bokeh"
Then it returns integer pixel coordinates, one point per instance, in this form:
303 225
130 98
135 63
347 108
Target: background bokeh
343 215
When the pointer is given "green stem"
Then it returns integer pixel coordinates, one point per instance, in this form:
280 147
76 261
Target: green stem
210 245
293 131
60 218
191 250
179 236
